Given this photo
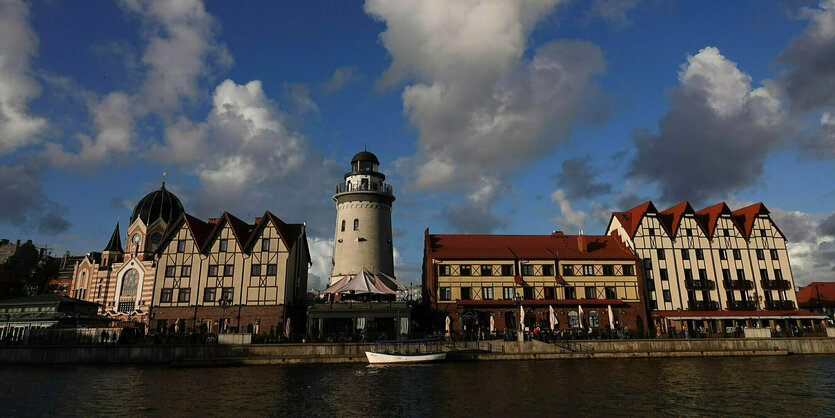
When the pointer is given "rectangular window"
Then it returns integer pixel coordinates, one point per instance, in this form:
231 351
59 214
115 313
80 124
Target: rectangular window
723 255
507 270
663 273
570 292
209 294
547 270
689 232
508 293
228 270
486 270
628 270
737 254
685 254
549 293
661 254
762 233
265 244
774 256
527 270
213 271
271 269
527 293
588 270
702 274
764 274
653 304
185 271
255 270
700 255
760 255
567 270
181 246
688 274
591 292
611 292
608 270
222 245
740 274
170 271
183 295
487 293
668 297
228 293
445 293
730 295
166 295
651 285
778 275
466 293
726 274
726 232
651 232
466 270
443 270
647 264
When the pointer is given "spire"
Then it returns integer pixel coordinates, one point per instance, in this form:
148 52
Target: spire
115 243
163 180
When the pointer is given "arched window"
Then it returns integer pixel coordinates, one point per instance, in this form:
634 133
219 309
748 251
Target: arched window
573 319
129 283
356 224
343 225
594 321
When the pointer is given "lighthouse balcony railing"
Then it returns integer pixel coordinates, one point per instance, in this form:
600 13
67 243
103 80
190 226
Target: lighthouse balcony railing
373 187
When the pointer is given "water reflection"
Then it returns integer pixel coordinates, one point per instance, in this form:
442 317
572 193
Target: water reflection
689 387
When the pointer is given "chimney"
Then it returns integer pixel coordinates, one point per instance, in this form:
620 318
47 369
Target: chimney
581 243
257 220
557 234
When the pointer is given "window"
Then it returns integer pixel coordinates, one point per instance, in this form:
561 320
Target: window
567 270
594 321
466 270
343 226
726 232
700 255
689 232
723 255
740 274
608 270
446 293
651 232
466 293
570 292
183 295
271 269
773 254
486 270
507 270
129 284
648 264
213 271
508 293
255 270
549 293
661 255
668 297
726 274
166 295
737 254
228 270
126 307
764 274
209 294
181 246
778 275
588 270
685 254
185 271
653 304
760 255
265 244
547 270
628 270
573 319
527 293
688 274
651 285
227 294
356 224
170 271
611 292
443 270
222 245
591 292
487 293
663 273
762 233
730 295
702 274
527 270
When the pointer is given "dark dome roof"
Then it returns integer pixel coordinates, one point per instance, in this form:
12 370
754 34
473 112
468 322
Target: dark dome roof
159 204
365 156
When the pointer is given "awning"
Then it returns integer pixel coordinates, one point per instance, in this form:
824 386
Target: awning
363 283
726 314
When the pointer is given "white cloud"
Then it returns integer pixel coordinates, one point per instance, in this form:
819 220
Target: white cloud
299 95
18 44
341 77
811 244
569 220
321 255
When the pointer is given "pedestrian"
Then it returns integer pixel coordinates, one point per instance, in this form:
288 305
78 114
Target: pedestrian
104 336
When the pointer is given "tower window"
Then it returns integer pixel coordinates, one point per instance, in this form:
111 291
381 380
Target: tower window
343 225
356 224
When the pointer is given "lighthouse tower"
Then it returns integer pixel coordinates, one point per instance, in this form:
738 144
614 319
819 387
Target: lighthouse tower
363 220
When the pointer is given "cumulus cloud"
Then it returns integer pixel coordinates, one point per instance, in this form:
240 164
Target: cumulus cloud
341 77
24 203
577 179
569 220
821 145
476 216
321 256
715 136
299 95
481 110
613 11
811 244
18 44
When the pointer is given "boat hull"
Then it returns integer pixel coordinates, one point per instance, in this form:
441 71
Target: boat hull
381 358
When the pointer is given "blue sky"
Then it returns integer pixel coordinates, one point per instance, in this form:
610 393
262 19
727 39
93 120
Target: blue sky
488 116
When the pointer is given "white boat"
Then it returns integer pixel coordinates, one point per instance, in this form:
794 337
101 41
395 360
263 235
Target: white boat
406 352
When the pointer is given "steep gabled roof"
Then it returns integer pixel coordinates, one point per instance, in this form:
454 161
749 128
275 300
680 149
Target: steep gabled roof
631 219
115 243
709 216
240 229
565 247
199 231
289 233
744 218
671 218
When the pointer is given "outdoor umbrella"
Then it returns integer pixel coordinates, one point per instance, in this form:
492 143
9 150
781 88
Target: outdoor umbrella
611 318
492 324
580 315
287 328
447 326
177 326
551 318
522 318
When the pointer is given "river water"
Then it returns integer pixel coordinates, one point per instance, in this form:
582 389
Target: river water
749 386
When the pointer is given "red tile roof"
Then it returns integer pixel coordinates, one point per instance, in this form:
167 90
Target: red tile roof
745 217
565 247
631 219
671 218
816 294
710 215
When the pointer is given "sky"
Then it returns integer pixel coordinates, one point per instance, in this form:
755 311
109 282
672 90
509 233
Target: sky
488 116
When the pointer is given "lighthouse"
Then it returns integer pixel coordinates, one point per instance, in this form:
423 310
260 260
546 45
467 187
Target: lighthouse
363 220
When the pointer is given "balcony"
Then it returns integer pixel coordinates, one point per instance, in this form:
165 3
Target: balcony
775 284
699 284
742 305
738 284
779 305
702 305
384 188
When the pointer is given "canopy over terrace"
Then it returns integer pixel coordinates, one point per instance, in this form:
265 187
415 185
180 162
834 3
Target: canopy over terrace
364 283
692 320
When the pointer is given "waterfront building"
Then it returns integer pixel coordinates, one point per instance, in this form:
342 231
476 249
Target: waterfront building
818 297
20 316
121 278
478 280
711 269
66 267
226 275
